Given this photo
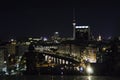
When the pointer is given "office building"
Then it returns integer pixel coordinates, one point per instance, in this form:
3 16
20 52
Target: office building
81 33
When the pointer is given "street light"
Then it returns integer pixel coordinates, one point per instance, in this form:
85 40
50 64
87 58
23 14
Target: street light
89 69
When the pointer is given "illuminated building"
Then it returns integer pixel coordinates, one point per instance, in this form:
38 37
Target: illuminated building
56 38
99 38
82 33
11 49
1 59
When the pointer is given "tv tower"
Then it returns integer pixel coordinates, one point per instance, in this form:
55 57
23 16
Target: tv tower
74 23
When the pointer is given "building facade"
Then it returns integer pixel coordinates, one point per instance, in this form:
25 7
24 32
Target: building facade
81 33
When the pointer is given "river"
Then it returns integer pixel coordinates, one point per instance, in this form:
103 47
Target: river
48 77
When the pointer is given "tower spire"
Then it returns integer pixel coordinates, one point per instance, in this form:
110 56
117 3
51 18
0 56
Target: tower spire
74 17
74 23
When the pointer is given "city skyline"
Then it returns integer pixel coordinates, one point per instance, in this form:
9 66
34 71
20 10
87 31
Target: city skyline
36 19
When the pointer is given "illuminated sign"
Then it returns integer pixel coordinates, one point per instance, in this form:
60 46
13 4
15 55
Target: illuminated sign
81 27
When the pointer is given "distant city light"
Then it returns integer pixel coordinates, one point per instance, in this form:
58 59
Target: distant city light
74 24
37 39
4 69
81 69
12 40
99 38
27 43
66 62
89 77
5 62
31 41
78 68
8 55
45 39
30 38
12 71
63 61
103 48
56 32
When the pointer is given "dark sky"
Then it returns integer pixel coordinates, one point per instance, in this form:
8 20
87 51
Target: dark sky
43 18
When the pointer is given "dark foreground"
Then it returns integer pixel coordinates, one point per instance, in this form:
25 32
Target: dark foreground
49 77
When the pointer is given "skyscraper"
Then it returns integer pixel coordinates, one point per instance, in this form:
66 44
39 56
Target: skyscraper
81 33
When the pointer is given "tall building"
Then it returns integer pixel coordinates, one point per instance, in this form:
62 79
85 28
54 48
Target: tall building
56 38
81 33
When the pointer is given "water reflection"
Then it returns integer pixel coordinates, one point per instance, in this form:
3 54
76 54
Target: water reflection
48 77
89 78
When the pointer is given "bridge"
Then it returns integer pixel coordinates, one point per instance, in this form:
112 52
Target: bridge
60 58
50 63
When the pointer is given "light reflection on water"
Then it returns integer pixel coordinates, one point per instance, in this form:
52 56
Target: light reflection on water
48 77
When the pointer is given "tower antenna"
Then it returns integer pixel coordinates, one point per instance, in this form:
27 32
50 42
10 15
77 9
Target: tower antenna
74 17
74 23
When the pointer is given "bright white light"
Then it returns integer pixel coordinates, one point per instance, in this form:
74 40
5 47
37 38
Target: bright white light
12 40
56 32
17 65
25 67
81 27
81 68
7 73
20 57
63 61
8 55
77 68
27 43
60 61
30 38
45 39
4 69
46 58
89 70
89 77
5 62
66 62
12 71
74 24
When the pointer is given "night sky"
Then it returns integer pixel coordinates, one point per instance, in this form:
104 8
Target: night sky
42 18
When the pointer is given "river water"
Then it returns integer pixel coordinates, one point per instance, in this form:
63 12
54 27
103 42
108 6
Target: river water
48 77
